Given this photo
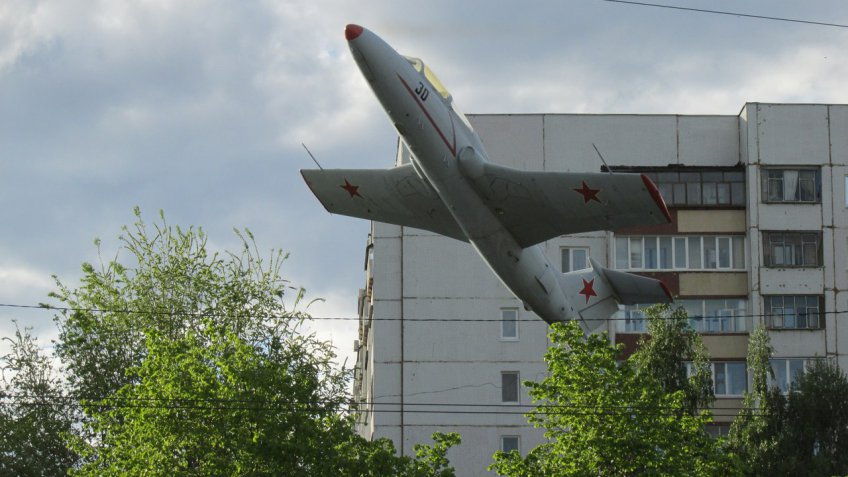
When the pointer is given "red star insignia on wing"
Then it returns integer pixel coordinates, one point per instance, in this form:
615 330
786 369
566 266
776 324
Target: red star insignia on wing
351 189
588 193
588 289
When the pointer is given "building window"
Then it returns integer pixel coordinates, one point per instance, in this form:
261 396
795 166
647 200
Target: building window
792 249
510 443
730 378
633 317
717 315
701 188
682 252
718 429
714 315
845 191
793 312
509 386
787 370
791 185
509 323
574 258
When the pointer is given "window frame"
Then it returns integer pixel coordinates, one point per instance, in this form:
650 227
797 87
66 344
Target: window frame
515 321
517 381
770 318
707 188
641 256
845 190
567 254
788 247
727 382
517 438
634 320
773 184
789 379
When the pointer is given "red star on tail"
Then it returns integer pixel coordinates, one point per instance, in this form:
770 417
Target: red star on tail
588 193
351 189
588 289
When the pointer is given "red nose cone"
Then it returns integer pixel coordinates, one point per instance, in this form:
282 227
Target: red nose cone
352 31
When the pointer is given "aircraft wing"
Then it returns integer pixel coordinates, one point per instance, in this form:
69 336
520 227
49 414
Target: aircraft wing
538 206
395 196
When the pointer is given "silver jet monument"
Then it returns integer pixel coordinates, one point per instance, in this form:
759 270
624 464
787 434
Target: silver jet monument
450 188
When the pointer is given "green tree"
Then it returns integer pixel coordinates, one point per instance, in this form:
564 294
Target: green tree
815 441
35 417
187 362
754 433
804 432
664 352
606 418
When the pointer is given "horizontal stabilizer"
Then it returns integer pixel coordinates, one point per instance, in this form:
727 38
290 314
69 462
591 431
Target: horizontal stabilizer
595 293
631 289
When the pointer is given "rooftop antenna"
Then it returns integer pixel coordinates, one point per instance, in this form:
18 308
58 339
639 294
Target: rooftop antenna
599 155
319 165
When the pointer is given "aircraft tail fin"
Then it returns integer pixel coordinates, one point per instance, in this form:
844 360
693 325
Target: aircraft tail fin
596 293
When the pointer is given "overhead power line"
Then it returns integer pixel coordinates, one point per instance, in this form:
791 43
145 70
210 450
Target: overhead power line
354 318
211 404
735 14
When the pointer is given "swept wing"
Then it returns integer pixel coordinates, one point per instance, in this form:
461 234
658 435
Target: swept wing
538 206
396 196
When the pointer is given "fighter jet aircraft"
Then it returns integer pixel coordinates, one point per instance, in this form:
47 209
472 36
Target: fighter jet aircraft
450 188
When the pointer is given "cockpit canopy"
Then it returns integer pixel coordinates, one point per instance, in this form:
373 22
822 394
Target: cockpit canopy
440 88
428 73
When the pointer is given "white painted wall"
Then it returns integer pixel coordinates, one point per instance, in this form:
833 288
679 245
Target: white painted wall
421 276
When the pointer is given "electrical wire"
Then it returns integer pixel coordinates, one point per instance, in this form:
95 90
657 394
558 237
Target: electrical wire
209 404
353 318
720 12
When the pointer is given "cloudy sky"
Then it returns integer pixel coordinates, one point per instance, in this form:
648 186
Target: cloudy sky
198 108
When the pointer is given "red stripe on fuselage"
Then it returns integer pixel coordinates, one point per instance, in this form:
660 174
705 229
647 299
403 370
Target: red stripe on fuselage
451 146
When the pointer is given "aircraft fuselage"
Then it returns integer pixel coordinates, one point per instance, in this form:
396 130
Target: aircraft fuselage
448 153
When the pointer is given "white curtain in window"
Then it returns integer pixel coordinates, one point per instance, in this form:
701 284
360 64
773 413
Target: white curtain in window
790 185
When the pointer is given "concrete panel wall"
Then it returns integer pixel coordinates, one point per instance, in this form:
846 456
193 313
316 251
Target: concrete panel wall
441 267
838 115
622 139
714 284
793 134
708 140
451 383
798 344
838 195
386 390
840 258
512 140
471 341
782 281
727 346
472 461
790 217
386 330
711 221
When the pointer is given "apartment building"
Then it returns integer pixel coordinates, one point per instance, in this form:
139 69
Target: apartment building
759 236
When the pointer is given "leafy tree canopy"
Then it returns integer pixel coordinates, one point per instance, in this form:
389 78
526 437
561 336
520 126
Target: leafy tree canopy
189 362
607 418
35 418
804 432
670 343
